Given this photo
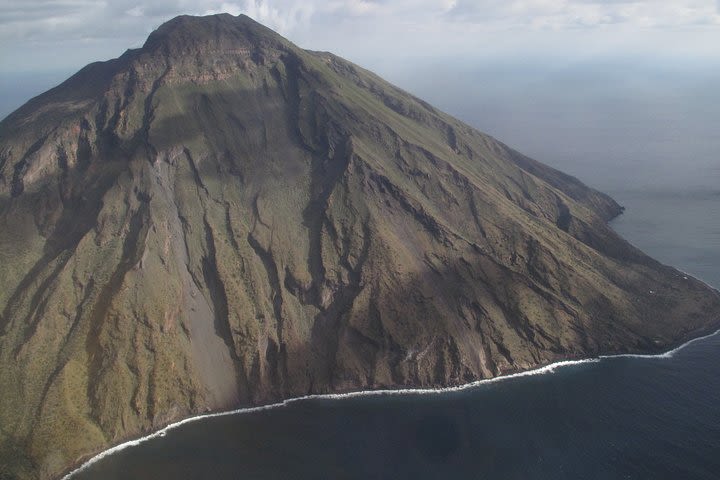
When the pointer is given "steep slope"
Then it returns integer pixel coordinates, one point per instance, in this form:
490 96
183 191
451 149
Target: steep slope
221 218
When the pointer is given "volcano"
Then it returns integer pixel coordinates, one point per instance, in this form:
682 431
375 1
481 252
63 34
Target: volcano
222 219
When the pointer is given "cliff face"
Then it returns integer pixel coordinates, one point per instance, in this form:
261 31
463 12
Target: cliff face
221 218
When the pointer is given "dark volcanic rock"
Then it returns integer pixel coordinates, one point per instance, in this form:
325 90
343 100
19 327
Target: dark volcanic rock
221 218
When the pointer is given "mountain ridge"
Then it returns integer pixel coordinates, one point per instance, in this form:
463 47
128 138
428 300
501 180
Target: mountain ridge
220 218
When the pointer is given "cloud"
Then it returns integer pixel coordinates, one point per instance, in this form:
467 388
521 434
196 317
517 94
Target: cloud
38 33
560 14
280 16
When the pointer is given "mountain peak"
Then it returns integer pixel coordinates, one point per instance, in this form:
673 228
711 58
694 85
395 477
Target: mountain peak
196 48
192 34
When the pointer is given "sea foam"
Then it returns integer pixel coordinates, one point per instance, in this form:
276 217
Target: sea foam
551 368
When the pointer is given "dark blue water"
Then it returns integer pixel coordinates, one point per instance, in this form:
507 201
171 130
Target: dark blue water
649 138
622 418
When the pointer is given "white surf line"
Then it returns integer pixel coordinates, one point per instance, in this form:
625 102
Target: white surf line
367 393
668 354
686 276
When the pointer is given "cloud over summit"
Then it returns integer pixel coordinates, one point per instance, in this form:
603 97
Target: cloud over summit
34 32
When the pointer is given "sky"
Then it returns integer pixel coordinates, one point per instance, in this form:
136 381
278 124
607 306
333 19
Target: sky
64 35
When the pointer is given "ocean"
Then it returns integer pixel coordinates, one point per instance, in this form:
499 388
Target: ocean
645 134
619 418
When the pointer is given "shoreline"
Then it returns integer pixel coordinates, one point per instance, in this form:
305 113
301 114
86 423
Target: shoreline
550 368
707 332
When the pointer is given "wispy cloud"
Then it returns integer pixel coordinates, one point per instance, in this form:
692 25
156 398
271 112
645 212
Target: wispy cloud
559 14
35 32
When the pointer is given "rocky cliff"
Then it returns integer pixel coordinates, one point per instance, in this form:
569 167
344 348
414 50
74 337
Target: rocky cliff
220 218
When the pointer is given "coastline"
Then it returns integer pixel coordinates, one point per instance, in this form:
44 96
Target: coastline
550 368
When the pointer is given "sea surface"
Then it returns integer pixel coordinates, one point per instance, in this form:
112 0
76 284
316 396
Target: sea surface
647 135
620 418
